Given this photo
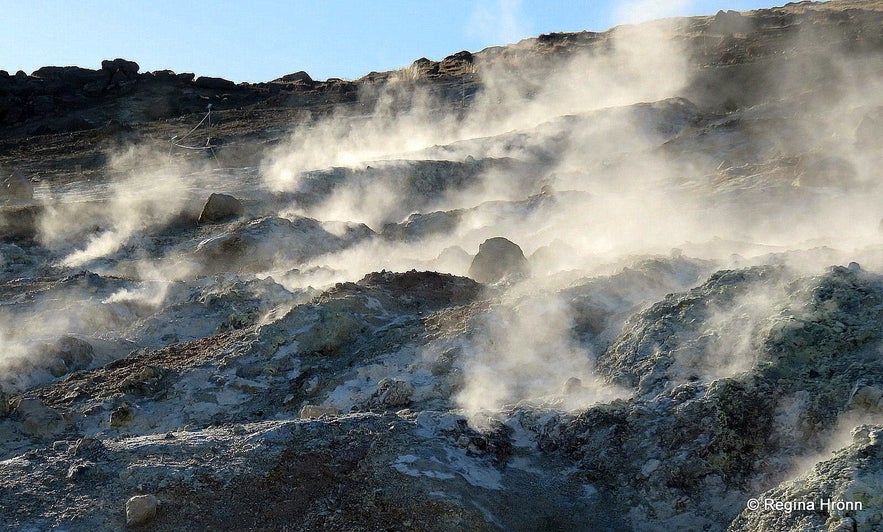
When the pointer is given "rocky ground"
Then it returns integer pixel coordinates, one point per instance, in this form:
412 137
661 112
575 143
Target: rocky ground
619 280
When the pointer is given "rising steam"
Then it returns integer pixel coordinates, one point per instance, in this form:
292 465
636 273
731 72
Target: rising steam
589 162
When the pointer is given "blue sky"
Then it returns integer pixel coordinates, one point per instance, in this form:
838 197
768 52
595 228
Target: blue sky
260 40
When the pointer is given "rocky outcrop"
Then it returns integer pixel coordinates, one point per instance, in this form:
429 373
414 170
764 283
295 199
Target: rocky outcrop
120 66
419 226
266 242
207 82
296 78
688 455
729 22
278 365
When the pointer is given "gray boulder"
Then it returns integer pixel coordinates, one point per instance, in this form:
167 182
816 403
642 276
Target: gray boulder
219 208
498 258
141 509
393 393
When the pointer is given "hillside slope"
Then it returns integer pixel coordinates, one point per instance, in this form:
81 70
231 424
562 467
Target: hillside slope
618 280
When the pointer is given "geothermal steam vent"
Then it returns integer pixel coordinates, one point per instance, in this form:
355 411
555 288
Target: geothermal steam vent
695 346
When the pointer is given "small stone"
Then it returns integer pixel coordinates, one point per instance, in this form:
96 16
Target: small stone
847 524
445 361
394 392
861 435
141 509
311 385
299 77
85 445
77 471
120 65
149 373
122 415
39 420
649 467
315 411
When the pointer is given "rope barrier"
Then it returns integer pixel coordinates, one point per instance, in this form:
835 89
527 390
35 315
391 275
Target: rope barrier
175 142
207 115
206 147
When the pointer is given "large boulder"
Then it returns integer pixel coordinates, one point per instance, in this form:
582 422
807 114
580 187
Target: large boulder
299 78
130 68
498 258
219 208
207 82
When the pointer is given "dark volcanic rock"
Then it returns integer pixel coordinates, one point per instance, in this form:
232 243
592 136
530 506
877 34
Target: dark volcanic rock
71 74
74 353
457 64
220 208
424 67
498 258
729 22
120 65
659 397
299 77
19 223
206 82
